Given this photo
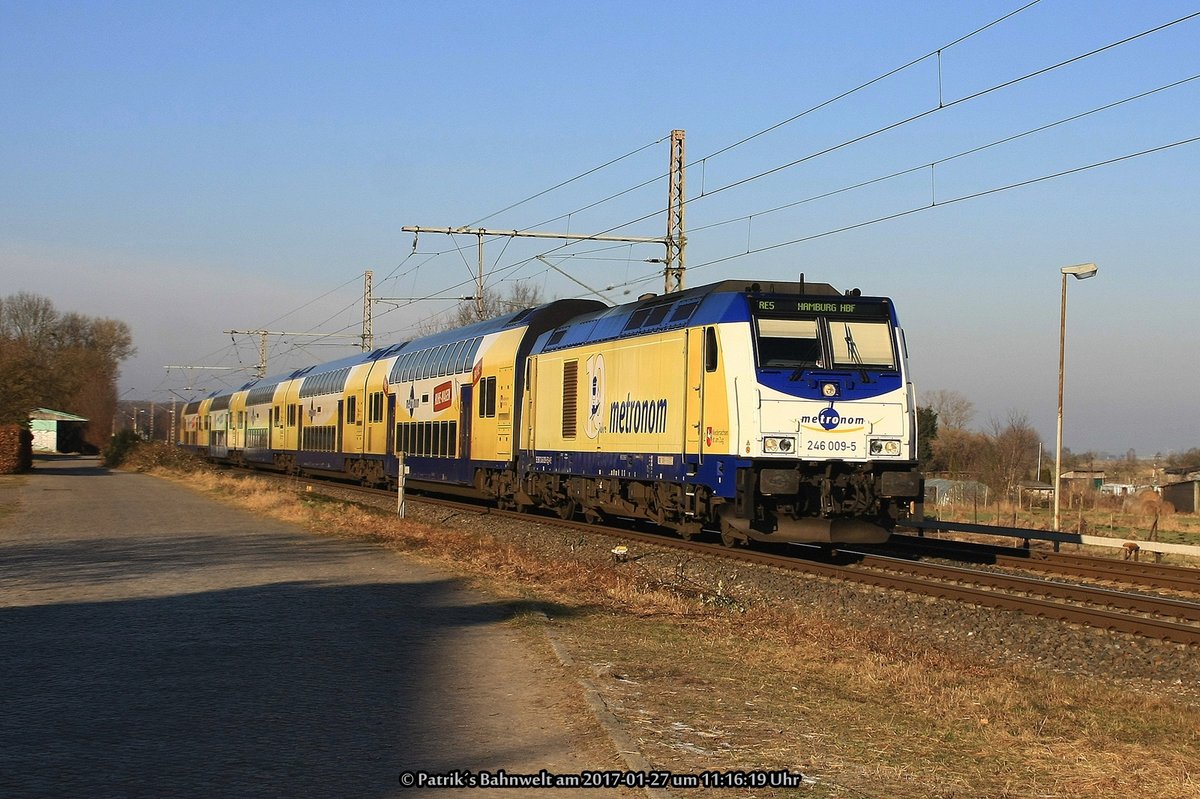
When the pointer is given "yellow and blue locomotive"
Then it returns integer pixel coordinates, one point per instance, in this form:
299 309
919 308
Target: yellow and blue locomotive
775 411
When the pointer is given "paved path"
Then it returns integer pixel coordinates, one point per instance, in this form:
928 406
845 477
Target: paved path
155 643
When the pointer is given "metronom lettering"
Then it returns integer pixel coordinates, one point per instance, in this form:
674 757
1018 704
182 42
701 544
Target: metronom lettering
637 416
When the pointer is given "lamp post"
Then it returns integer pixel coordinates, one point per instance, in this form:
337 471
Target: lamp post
1081 272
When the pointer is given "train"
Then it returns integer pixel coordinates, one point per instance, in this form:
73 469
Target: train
762 411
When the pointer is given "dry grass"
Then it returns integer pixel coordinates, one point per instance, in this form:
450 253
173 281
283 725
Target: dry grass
1132 518
709 677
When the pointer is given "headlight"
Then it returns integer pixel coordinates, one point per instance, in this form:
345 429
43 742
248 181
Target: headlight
779 444
885 446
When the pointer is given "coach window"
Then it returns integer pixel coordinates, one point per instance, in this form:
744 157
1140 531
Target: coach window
436 362
470 353
487 398
710 349
452 366
375 412
351 409
444 360
291 415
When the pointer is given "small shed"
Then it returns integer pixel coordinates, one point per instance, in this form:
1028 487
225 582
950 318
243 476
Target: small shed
1079 478
1035 491
56 431
1184 496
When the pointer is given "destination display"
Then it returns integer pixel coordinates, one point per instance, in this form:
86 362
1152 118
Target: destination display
841 307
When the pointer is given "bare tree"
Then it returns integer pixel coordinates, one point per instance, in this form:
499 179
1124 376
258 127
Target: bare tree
1013 453
958 452
28 317
521 295
954 411
69 362
20 387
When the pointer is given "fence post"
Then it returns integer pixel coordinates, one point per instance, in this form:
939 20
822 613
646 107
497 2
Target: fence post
401 471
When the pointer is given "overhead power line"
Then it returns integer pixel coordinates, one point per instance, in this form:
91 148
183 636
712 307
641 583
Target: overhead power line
557 186
947 159
894 125
789 120
753 136
943 106
871 82
951 201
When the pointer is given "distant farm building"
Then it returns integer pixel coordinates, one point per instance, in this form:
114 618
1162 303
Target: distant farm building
1184 496
56 431
1183 473
1033 492
1083 478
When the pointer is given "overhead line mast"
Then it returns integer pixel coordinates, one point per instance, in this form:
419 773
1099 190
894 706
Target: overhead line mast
674 241
260 369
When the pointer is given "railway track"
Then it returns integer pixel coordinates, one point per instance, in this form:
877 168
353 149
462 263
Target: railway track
1154 576
1160 618
1156 617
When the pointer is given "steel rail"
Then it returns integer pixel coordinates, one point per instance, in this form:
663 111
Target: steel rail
1149 575
1138 603
918 582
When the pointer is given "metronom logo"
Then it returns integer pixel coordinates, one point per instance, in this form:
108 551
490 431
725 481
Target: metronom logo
831 419
637 416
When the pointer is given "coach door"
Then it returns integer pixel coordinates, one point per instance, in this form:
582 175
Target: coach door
376 423
464 422
390 429
218 442
504 412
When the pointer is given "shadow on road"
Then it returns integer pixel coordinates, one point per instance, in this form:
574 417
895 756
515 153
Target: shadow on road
293 689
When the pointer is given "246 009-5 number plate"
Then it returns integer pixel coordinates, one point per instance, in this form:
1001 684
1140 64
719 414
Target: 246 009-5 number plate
827 445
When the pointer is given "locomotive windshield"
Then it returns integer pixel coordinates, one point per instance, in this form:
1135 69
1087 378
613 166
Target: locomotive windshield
851 336
788 343
858 345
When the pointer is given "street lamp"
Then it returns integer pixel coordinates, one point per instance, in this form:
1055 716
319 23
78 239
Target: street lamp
1081 272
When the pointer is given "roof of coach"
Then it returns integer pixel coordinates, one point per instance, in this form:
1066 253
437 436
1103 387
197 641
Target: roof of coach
703 305
540 316
549 314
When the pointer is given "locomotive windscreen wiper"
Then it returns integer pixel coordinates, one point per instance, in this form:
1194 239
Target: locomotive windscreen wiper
852 349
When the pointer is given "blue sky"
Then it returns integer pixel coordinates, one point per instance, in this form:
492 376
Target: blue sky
197 167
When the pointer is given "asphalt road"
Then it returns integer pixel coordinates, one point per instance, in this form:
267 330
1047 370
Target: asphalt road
156 643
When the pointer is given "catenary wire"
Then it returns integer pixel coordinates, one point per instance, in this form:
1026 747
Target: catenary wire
947 159
951 201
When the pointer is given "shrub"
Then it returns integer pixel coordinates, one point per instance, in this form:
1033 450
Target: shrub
121 447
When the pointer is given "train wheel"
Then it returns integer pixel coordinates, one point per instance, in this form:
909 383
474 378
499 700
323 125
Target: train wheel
730 535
